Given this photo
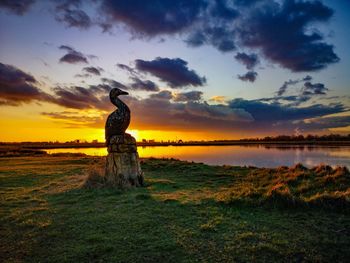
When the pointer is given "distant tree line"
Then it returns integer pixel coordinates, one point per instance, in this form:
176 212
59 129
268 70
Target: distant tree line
300 138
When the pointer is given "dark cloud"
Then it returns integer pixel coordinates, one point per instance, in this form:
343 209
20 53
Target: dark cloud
74 18
17 87
74 119
215 27
245 3
174 72
188 96
128 69
66 48
163 114
85 75
114 84
222 10
196 39
94 97
314 89
145 85
282 32
249 76
307 78
324 123
72 56
292 100
218 36
249 60
93 70
153 18
106 27
18 7
275 112
162 95
306 93
170 111
283 89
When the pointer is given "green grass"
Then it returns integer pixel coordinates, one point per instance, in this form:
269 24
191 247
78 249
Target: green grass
187 212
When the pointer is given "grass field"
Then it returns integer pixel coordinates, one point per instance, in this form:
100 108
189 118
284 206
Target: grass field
187 212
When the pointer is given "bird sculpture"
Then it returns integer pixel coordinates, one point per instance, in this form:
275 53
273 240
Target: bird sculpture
119 120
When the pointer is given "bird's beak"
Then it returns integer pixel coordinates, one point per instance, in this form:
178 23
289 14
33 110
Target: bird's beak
124 93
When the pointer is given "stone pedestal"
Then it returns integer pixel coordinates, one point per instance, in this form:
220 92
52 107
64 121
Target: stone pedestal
122 165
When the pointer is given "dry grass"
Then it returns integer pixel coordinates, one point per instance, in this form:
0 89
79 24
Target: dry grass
16 151
295 186
95 176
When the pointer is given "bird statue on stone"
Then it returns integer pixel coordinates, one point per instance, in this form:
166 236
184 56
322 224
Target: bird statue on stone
119 120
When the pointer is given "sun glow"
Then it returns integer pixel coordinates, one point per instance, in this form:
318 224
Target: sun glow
134 133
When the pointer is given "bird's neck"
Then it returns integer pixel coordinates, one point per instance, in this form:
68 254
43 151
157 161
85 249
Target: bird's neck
119 103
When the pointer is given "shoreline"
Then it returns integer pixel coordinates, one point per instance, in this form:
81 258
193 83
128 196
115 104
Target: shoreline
164 144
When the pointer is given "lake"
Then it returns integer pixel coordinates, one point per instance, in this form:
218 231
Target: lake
252 155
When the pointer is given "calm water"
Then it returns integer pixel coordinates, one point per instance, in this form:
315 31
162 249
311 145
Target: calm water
258 155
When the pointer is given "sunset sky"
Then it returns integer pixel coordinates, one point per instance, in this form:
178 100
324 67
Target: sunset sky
194 69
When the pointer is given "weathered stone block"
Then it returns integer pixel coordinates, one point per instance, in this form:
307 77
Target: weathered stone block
122 165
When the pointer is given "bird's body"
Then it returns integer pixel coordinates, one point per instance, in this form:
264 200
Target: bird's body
119 120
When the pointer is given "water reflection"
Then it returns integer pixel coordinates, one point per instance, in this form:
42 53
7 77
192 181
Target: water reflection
254 155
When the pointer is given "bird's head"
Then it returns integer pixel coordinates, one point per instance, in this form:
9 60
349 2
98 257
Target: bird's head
115 92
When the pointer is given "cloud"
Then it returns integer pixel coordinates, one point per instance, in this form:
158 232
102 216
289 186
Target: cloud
283 89
245 3
174 72
218 99
249 60
94 97
179 96
17 87
128 69
275 112
188 96
18 7
249 76
161 113
314 89
93 70
72 56
167 17
222 10
218 36
73 18
145 85
282 33
74 119
305 94
85 75
324 123
166 110
156 18
290 101
307 78
114 84
162 95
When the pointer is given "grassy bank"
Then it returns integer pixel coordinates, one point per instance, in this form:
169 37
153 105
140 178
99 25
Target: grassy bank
187 212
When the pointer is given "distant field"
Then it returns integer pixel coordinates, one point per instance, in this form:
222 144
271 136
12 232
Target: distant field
187 212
